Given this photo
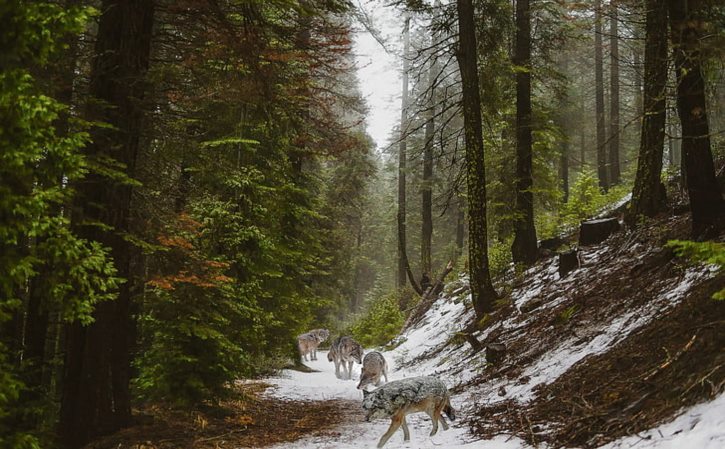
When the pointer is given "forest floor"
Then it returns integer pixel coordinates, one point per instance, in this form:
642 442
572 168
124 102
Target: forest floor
623 352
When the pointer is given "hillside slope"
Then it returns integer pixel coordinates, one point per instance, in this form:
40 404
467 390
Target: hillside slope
625 342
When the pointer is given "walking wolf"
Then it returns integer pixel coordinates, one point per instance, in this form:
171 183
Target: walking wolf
344 352
401 397
309 342
374 366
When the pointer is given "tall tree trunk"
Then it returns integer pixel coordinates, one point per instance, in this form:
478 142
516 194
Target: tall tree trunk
427 190
648 195
95 397
524 248
614 169
402 161
564 169
482 290
706 204
602 171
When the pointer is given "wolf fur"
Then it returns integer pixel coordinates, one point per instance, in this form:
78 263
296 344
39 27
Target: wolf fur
347 351
400 397
373 367
308 342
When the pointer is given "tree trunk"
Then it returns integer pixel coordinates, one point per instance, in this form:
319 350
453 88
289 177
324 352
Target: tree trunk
648 196
95 397
402 161
460 225
427 193
524 248
706 204
564 169
602 171
482 290
614 169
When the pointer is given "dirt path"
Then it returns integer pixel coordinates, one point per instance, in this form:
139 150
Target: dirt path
255 420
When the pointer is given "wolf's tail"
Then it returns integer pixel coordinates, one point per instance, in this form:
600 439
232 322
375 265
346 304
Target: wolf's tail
450 413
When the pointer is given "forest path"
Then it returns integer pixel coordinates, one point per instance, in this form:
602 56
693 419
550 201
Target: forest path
352 432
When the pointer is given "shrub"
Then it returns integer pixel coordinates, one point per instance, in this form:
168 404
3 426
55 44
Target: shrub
380 322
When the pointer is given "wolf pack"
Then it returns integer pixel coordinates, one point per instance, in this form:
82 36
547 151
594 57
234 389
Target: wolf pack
394 399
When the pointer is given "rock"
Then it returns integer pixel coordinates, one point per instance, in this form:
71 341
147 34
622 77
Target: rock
502 391
495 353
568 261
596 231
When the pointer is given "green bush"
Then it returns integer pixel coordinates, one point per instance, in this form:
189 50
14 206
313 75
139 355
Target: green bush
712 253
380 322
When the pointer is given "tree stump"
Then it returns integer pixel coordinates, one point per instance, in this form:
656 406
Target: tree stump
568 261
596 231
551 244
495 353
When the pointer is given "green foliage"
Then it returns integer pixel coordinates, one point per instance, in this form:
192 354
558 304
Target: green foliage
711 253
37 162
586 200
379 323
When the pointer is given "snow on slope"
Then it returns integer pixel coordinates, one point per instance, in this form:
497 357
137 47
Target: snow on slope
428 349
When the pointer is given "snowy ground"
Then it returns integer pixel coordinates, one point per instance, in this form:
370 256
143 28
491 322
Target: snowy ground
323 385
422 352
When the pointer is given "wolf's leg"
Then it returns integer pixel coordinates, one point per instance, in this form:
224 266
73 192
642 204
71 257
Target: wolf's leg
406 434
434 419
443 421
396 422
349 370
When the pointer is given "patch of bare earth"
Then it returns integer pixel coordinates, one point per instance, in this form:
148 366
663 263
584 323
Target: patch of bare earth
673 361
252 421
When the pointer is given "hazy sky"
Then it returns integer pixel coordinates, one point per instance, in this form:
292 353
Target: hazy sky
379 71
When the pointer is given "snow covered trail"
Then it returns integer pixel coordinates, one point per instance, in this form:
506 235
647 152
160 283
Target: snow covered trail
323 385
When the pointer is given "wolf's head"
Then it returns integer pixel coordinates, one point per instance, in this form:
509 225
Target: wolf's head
366 378
357 353
373 406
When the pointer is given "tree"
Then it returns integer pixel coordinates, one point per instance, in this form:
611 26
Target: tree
96 398
427 188
648 195
524 248
706 204
402 161
482 290
602 171
614 169
38 156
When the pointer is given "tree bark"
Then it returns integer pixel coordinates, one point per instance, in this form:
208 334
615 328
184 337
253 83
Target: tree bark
482 290
602 170
95 397
706 204
402 162
614 169
524 248
648 196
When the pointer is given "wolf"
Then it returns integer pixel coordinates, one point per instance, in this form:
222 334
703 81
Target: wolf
334 356
400 397
348 351
309 342
374 366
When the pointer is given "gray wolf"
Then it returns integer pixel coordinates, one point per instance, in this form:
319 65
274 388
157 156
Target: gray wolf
347 352
334 356
374 366
308 342
400 397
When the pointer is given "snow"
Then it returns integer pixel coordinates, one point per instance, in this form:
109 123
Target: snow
425 350
701 426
